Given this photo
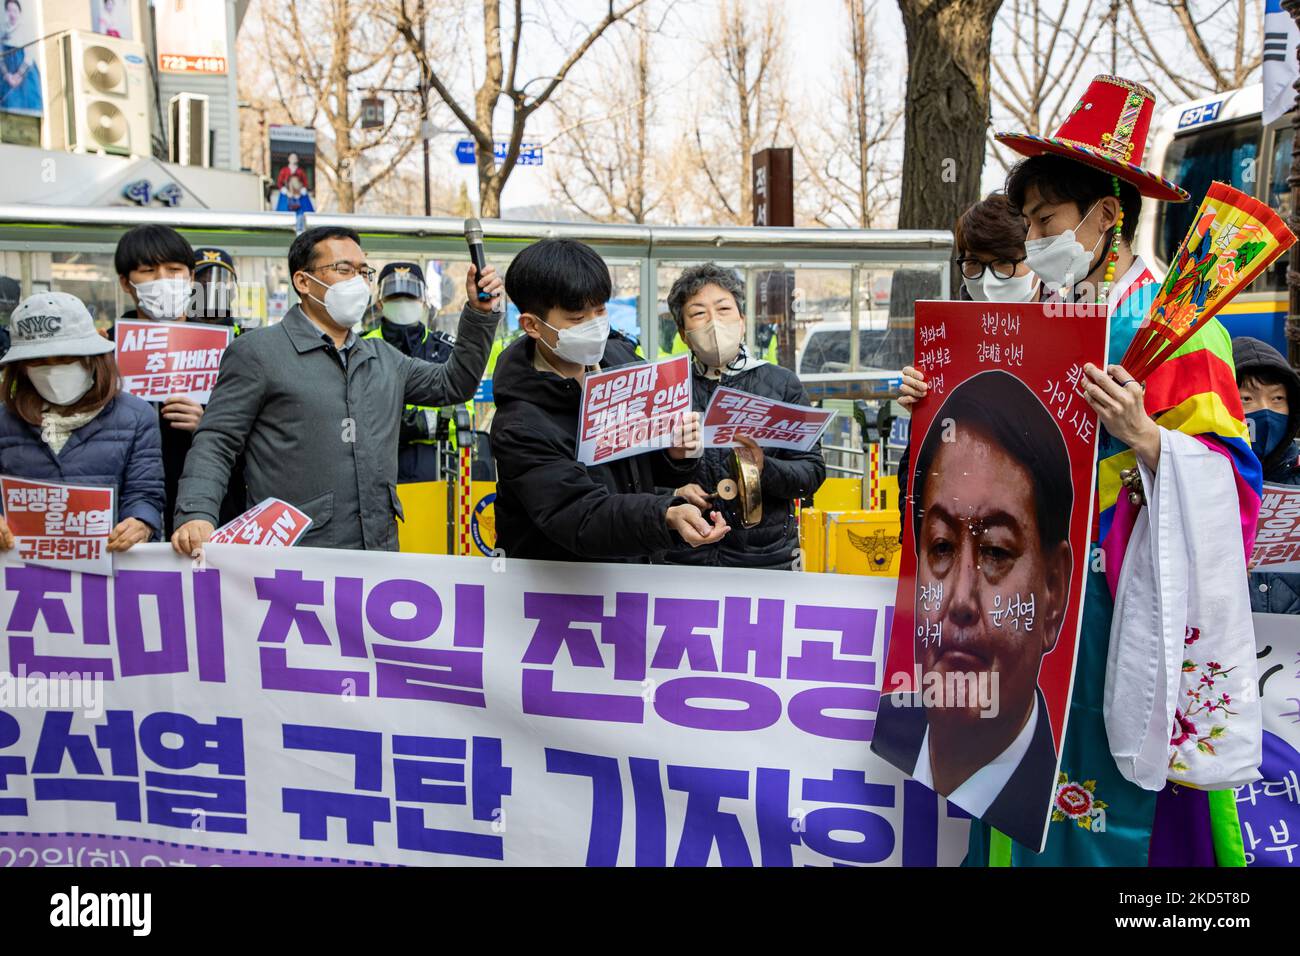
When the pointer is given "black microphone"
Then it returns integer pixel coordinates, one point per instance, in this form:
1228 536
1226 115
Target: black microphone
474 238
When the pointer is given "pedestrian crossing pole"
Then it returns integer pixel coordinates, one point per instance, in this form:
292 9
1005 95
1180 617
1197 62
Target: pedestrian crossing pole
873 475
465 497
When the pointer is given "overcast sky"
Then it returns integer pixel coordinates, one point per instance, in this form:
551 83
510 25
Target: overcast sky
816 39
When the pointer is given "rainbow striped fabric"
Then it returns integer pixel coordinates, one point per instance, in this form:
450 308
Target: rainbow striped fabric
1194 392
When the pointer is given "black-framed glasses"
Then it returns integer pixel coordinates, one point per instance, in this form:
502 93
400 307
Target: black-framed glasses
973 268
347 270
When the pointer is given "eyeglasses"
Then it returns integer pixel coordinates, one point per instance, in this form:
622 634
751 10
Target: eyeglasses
347 270
973 268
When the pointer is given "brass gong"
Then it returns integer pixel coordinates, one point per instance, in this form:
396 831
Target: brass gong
745 484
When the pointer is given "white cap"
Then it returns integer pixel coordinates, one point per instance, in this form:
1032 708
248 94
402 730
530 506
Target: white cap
52 324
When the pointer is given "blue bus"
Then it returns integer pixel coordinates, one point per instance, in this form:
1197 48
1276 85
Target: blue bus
1223 137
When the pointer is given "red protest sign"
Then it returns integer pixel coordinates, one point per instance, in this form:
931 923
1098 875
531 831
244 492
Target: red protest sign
1277 538
628 410
58 525
161 359
1000 495
772 424
270 524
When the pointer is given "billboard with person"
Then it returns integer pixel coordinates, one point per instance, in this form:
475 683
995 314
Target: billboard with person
112 18
293 168
20 71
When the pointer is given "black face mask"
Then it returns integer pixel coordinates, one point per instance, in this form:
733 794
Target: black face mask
403 337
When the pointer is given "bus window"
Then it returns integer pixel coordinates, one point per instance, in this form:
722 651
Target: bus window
1195 159
1279 197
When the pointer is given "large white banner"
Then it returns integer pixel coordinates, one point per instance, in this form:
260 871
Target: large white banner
302 706
1269 808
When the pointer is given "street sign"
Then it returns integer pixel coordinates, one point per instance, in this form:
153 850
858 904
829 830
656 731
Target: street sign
530 154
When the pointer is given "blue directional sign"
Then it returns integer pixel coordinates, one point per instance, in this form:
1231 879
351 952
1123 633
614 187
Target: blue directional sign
530 154
899 432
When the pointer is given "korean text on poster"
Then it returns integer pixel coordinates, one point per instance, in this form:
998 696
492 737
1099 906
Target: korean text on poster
626 411
1277 542
59 526
271 523
995 548
1269 808
772 424
159 360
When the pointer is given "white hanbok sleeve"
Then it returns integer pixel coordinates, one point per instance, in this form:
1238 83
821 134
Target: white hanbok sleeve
1181 700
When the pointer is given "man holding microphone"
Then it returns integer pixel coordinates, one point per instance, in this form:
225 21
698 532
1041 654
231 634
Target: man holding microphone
317 409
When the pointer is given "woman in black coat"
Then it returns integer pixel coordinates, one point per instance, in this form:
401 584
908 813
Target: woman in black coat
705 302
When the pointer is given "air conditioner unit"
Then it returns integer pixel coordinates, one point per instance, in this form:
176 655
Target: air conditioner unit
189 137
98 99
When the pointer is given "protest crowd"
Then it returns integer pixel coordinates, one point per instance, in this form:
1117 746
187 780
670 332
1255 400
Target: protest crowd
314 412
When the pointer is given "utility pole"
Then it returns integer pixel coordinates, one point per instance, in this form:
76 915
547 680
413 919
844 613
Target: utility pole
1114 37
424 109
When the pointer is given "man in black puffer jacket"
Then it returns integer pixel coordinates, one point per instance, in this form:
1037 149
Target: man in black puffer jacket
706 304
1270 395
549 505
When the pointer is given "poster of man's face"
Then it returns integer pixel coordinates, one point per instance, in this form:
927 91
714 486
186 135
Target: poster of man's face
982 647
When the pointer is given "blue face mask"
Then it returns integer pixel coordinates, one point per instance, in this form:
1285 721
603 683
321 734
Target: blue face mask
1267 429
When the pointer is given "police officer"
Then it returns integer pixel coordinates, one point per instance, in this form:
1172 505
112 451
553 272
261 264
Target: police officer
403 325
10 294
214 275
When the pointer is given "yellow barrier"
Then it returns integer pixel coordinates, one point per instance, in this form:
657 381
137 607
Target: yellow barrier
812 540
845 494
835 536
850 542
838 494
862 542
425 528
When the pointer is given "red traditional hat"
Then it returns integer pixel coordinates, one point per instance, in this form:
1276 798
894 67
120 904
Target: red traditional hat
1106 129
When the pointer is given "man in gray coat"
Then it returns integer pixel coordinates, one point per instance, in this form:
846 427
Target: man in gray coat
315 409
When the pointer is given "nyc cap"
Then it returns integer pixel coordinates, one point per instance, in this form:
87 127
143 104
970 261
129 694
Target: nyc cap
51 324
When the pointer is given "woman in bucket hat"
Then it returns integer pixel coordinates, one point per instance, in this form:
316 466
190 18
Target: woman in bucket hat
65 417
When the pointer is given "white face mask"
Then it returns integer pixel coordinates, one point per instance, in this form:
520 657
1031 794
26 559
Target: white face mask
1061 261
993 288
61 384
345 301
164 300
582 344
404 311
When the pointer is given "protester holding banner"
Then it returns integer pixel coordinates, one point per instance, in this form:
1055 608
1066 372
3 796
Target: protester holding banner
402 325
1080 193
316 409
989 249
65 418
705 302
549 505
155 267
1270 395
10 295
